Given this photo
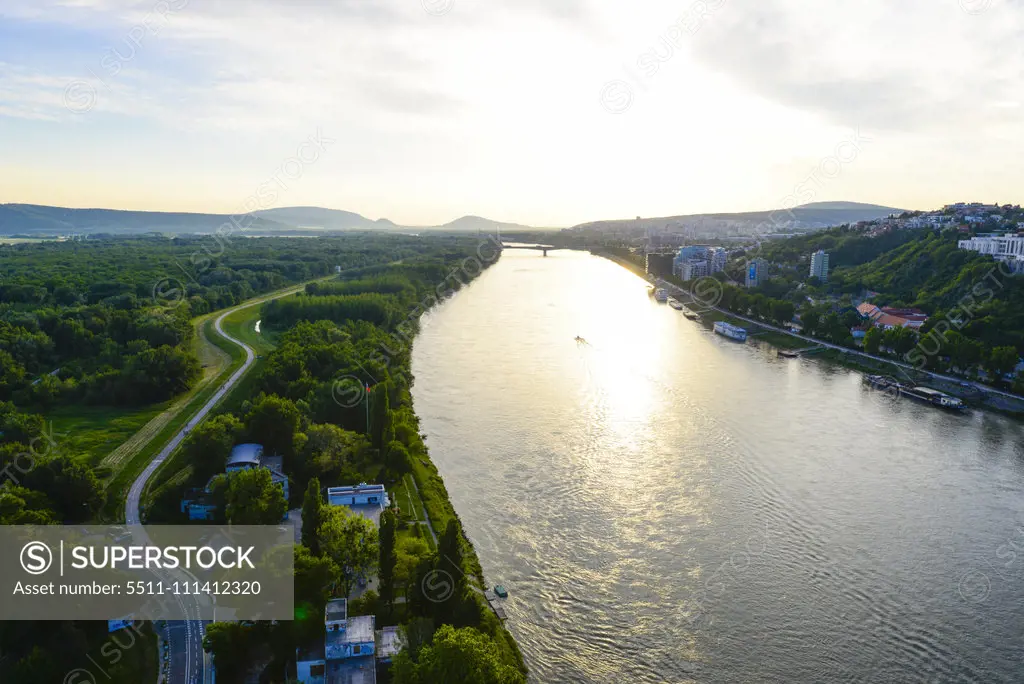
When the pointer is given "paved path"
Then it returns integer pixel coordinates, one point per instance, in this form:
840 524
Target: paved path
189 663
430 525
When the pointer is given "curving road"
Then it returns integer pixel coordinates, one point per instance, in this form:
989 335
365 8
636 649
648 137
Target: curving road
189 664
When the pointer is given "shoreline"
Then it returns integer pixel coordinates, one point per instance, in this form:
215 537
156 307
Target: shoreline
424 471
852 359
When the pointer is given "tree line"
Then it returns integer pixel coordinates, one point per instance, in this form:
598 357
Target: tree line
333 399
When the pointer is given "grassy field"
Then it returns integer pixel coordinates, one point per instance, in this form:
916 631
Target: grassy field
158 425
19 241
405 496
236 357
242 325
170 421
438 506
111 436
413 513
97 431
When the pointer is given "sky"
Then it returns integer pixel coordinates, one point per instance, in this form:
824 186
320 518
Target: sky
542 112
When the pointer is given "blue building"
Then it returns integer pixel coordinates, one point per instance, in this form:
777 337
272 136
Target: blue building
345 654
367 500
693 252
757 272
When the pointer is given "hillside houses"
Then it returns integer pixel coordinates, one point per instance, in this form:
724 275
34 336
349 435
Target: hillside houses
888 317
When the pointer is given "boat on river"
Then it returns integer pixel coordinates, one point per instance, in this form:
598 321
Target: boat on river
733 332
661 294
926 395
675 304
691 315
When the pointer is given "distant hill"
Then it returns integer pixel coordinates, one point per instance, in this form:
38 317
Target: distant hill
32 219
473 224
806 217
853 206
318 217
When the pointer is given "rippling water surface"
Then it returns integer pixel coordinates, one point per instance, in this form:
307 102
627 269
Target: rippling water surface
668 506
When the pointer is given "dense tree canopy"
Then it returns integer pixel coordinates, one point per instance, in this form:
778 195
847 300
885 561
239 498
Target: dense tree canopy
209 443
253 498
456 655
350 540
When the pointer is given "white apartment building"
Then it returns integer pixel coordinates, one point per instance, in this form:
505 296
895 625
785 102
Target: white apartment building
819 265
694 268
1007 248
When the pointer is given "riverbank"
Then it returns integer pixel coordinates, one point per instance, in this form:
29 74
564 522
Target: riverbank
977 396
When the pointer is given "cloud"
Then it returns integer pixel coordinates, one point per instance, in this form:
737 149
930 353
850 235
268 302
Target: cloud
254 64
871 63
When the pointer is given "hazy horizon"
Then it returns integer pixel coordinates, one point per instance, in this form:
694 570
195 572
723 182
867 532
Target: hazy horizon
455 218
547 114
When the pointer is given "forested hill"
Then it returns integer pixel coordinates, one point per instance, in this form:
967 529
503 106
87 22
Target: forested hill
914 268
805 217
31 219
846 246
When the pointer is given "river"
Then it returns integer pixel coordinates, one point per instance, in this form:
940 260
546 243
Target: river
665 505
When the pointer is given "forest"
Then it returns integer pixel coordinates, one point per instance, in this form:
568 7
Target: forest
94 310
107 320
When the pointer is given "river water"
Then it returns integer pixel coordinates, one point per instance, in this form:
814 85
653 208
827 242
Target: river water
665 505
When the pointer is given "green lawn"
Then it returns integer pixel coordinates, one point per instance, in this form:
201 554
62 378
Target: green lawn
242 325
173 465
406 498
97 431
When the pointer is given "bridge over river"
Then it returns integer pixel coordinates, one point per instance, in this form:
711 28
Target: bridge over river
540 248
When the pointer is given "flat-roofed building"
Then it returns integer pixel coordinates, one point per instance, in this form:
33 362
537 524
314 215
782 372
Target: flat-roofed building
1007 248
819 265
390 641
367 500
693 269
757 273
346 653
717 258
